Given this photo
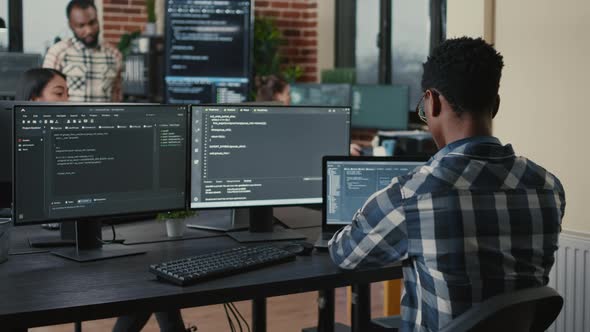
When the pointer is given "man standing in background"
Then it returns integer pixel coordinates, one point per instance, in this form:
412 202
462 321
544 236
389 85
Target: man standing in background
93 69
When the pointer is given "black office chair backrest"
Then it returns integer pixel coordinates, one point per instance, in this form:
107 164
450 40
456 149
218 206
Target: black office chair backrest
527 310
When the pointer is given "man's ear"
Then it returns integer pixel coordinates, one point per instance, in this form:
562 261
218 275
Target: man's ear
496 106
434 103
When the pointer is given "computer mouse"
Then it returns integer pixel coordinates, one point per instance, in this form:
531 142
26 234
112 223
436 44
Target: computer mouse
299 248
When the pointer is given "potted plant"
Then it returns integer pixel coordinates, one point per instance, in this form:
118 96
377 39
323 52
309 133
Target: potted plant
126 41
267 58
150 27
175 221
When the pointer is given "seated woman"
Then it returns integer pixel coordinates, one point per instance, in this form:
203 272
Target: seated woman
273 88
43 85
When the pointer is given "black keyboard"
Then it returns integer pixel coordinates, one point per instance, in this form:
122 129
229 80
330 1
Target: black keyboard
191 270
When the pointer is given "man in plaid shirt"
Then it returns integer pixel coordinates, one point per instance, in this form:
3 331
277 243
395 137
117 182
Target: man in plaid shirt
476 220
93 70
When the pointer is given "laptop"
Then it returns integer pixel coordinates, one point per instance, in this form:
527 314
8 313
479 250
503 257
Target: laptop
349 181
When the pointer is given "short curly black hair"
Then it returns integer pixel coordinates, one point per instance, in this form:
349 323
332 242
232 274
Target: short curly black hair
83 4
466 71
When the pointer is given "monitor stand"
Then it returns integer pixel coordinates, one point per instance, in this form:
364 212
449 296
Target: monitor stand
261 220
66 238
89 246
219 220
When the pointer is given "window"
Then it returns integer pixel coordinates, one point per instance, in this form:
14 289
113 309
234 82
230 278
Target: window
415 26
367 52
410 43
37 38
4 31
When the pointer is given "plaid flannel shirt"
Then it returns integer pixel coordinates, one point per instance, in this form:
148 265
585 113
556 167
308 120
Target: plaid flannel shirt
474 222
93 74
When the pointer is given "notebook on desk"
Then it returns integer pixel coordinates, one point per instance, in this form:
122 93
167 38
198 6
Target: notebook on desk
349 181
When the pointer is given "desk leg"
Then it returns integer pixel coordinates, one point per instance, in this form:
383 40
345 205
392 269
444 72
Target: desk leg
259 315
361 307
78 326
326 310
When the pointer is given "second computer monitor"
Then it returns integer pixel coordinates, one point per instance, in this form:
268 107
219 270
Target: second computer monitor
383 107
249 156
79 162
320 94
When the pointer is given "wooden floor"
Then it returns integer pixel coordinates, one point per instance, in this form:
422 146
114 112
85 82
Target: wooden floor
285 314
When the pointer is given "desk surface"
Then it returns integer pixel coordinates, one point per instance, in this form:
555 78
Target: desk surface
42 289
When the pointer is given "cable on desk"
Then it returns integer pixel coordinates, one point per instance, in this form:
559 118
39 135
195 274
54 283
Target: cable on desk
242 317
229 320
230 307
114 240
235 316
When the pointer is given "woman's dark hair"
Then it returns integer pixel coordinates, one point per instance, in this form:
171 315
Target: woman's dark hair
33 81
268 86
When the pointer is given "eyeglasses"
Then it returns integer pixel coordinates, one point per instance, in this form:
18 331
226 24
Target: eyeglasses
420 107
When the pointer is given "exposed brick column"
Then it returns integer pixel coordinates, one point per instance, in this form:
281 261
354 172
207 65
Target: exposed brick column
122 16
297 20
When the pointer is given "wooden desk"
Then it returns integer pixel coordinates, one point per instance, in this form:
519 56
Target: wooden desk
42 289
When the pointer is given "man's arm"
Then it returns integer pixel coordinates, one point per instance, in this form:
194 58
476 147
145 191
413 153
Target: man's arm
117 91
377 235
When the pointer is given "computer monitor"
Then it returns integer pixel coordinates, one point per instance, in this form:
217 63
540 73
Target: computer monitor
320 94
84 162
262 156
208 51
349 182
382 107
12 66
6 154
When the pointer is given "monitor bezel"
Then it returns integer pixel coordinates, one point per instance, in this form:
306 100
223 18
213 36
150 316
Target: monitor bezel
327 159
102 217
270 105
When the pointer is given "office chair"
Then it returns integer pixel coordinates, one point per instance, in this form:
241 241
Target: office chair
529 310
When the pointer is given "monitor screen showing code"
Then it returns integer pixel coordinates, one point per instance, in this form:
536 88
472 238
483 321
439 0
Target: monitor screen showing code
85 161
351 183
250 156
207 51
